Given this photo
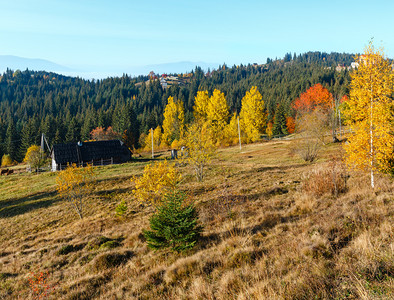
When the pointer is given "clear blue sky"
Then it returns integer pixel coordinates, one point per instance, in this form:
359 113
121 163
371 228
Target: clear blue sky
112 35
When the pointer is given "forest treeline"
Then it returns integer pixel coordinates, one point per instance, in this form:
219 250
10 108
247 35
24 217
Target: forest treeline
67 109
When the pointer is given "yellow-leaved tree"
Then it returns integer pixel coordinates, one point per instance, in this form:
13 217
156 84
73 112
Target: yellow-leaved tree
200 147
157 139
35 157
74 184
217 115
201 106
231 131
174 121
369 113
158 179
6 160
252 116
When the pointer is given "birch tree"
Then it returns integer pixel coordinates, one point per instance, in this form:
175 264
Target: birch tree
369 114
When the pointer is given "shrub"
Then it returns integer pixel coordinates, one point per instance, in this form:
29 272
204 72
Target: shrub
121 209
174 225
158 179
110 245
96 243
110 260
39 285
65 249
332 179
6 160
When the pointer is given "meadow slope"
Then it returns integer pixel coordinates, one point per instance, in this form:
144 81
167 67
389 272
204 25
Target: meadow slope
267 234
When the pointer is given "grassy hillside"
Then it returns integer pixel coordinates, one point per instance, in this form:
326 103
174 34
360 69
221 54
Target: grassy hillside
267 234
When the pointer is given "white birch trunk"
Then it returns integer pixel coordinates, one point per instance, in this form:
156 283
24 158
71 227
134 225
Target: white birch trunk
371 150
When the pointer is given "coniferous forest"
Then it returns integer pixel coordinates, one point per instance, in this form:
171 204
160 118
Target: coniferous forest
67 109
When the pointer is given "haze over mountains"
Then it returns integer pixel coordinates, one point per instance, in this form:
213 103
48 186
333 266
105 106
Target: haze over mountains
98 72
36 64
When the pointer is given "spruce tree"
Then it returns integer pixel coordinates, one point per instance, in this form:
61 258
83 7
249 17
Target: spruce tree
29 137
175 224
73 131
11 140
279 127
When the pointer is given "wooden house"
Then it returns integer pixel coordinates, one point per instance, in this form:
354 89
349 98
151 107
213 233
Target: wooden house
95 153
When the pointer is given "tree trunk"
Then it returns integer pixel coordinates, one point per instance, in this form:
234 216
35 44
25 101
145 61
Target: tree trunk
371 150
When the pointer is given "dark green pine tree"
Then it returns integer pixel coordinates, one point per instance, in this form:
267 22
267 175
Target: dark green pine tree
88 125
58 138
2 131
119 120
48 127
11 140
174 225
132 130
279 127
30 136
73 131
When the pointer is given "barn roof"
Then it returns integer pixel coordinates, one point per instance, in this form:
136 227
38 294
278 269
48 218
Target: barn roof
88 151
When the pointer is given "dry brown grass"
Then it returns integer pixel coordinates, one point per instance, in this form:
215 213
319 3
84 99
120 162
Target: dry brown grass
267 234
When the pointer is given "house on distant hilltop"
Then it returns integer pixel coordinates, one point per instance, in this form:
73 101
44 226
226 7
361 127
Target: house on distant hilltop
95 153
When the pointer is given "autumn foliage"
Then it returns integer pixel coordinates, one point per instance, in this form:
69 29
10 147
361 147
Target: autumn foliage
102 134
252 116
200 106
35 157
369 112
6 160
315 96
290 124
217 115
39 285
174 121
200 148
74 184
157 180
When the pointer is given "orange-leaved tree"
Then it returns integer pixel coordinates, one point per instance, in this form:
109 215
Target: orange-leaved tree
74 184
315 96
290 124
102 134
369 113
316 100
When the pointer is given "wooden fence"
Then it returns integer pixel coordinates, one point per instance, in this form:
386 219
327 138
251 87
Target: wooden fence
99 162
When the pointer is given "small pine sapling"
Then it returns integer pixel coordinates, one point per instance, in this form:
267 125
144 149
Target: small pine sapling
175 225
121 208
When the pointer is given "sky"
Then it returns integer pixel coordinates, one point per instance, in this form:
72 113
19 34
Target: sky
108 37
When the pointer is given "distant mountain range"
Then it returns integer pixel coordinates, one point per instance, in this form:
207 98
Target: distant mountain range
21 63
89 72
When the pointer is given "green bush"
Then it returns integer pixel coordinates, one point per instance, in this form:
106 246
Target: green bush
97 242
109 245
110 260
121 208
175 225
65 249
